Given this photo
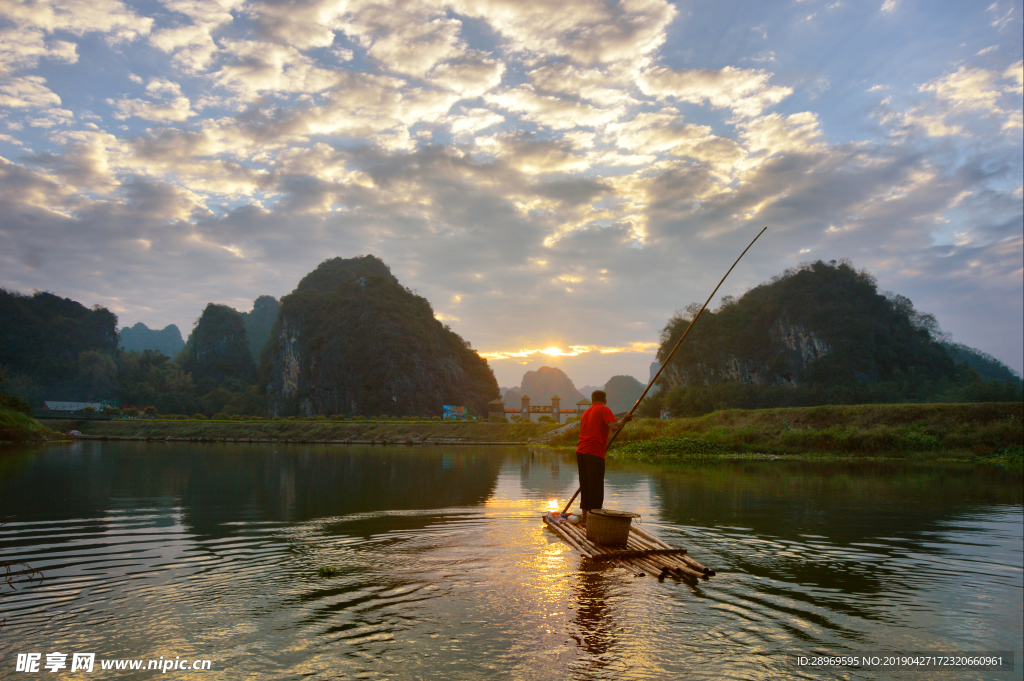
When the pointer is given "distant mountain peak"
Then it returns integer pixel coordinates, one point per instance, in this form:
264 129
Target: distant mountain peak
544 383
140 337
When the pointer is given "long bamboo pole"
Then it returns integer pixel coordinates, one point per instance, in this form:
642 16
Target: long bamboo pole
669 358
639 553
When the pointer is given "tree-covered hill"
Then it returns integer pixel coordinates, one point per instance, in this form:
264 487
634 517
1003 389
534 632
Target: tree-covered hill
623 392
818 334
350 339
822 323
987 366
217 351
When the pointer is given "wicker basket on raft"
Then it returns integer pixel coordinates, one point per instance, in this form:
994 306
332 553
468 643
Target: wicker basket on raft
609 527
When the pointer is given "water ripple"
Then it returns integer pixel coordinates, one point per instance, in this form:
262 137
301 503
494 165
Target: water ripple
476 587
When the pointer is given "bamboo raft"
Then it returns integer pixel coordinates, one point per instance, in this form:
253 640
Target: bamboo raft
643 553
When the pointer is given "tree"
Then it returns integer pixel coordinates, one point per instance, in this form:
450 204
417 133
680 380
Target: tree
42 339
98 372
150 377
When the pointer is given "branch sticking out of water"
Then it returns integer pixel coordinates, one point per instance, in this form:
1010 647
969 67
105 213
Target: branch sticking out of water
11 573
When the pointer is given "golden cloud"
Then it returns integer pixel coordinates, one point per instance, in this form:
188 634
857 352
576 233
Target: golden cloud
571 351
745 91
27 92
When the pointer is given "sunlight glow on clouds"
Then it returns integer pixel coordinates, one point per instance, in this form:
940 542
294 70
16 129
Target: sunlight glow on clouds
746 92
577 169
642 347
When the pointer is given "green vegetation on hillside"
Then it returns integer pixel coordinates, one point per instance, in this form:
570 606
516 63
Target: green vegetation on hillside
379 343
217 351
819 334
695 400
54 348
872 337
988 367
351 340
210 378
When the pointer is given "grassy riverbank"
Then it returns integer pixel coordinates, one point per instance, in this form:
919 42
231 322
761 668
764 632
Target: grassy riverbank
17 427
966 432
969 432
310 431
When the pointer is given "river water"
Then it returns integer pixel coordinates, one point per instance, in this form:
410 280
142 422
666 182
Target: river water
446 571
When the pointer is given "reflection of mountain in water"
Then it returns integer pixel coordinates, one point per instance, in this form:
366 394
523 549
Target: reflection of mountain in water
780 505
218 484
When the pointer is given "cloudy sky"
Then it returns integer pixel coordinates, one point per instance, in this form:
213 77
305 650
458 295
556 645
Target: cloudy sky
549 175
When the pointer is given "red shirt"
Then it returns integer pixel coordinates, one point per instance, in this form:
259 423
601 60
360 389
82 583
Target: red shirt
594 430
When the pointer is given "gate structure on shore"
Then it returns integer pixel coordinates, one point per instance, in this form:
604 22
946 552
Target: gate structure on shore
528 412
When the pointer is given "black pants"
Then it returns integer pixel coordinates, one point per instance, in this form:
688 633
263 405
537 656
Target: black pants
591 481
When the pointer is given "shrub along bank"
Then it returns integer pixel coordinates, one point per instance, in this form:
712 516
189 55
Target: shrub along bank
18 427
992 431
971 432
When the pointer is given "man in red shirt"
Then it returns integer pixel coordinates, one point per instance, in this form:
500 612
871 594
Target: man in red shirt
597 423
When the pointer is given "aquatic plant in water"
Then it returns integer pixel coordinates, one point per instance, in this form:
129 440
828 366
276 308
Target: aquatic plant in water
668 447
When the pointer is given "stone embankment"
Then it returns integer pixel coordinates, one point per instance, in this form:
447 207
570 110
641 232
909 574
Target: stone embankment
561 433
